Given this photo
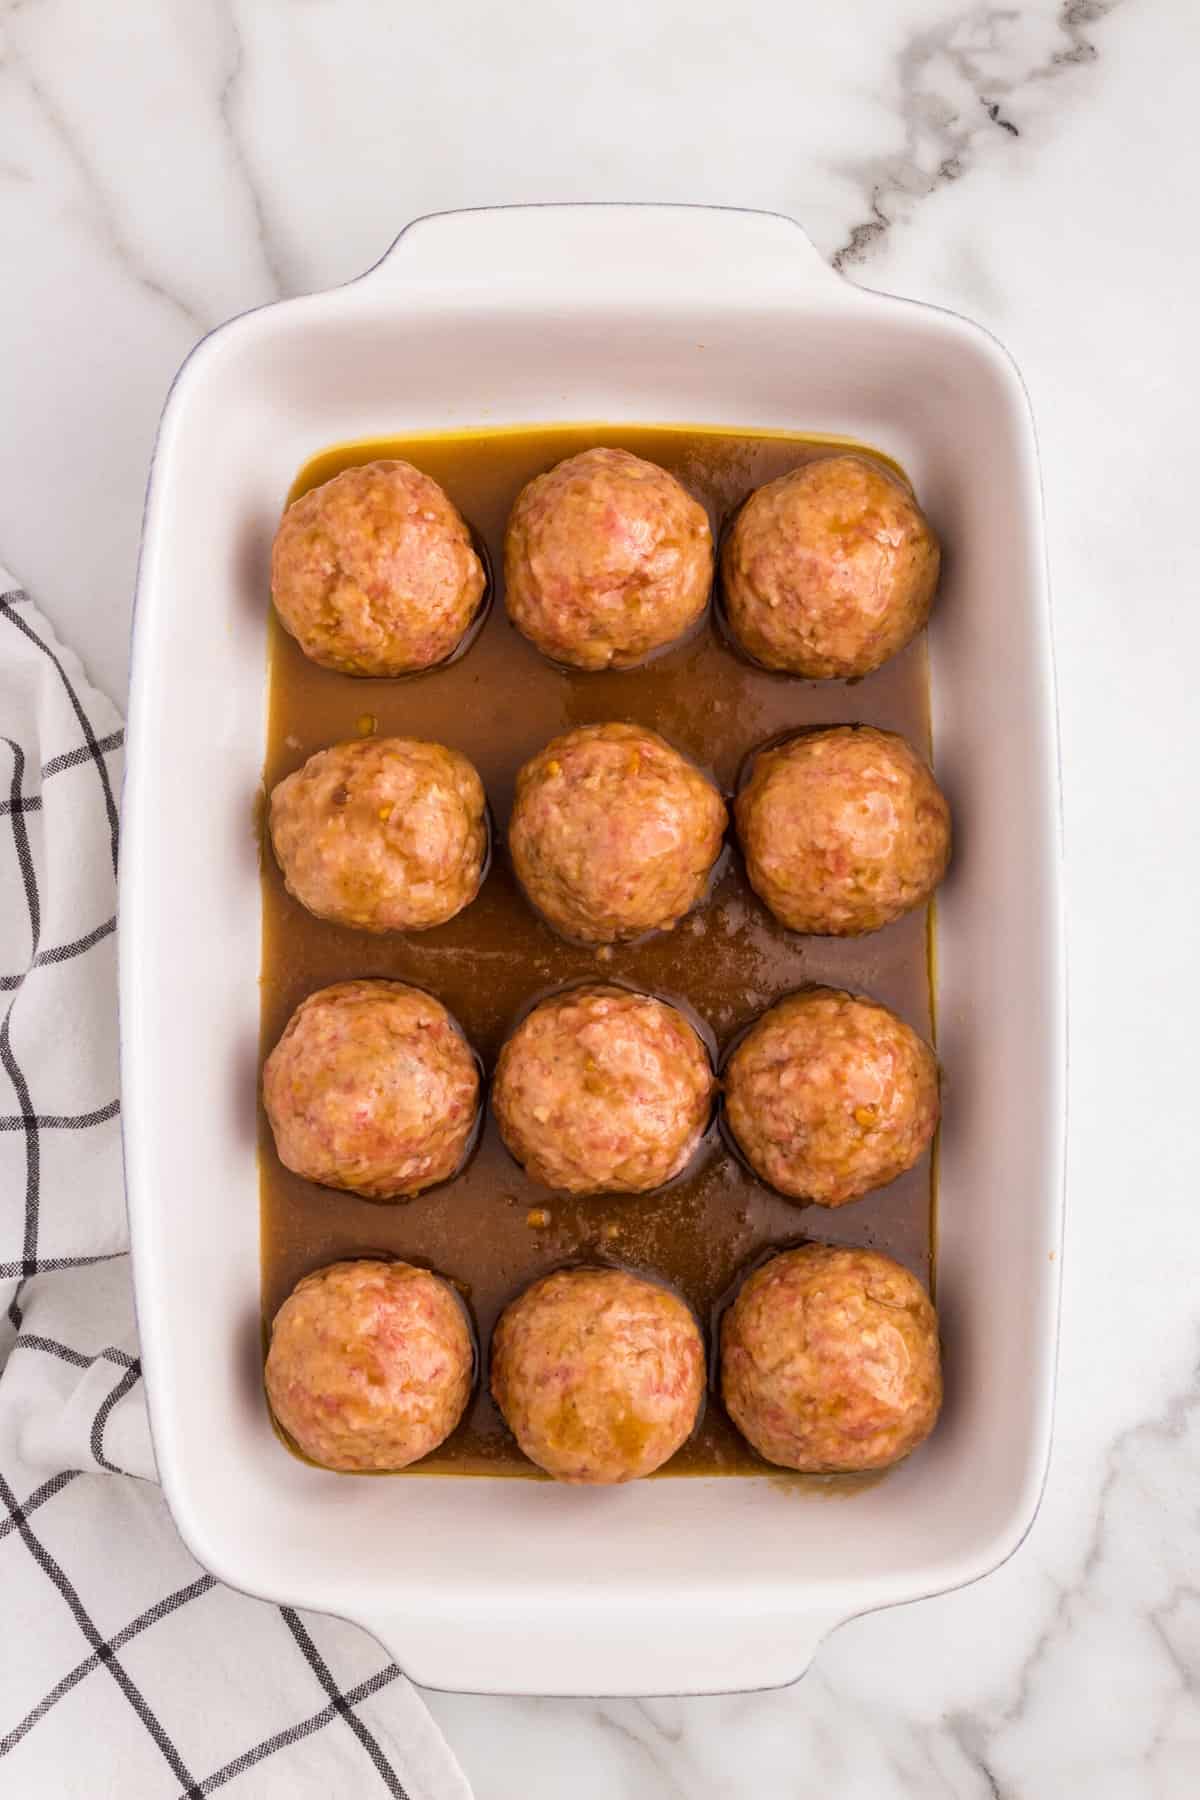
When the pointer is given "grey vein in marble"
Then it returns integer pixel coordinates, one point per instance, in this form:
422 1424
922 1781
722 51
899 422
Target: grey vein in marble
958 82
1128 1461
102 211
228 104
657 1760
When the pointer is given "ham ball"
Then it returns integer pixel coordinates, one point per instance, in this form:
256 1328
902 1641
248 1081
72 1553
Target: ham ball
829 570
370 1365
382 834
606 560
829 1095
374 572
830 1360
372 1088
613 833
600 1090
843 830
599 1374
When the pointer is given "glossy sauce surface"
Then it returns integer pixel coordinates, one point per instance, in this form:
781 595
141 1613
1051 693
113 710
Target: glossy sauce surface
491 1230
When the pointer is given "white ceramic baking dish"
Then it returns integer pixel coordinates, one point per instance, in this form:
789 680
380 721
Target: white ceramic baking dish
662 314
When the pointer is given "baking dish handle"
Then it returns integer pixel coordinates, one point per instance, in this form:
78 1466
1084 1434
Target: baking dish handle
646 252
648 1649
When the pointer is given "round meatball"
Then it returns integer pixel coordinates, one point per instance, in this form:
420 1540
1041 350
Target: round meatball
843 830
613 833
829 1360
603 1091
599 1374
607 558
370 1364
373 1088
385 834
829 1095
829 570
374 573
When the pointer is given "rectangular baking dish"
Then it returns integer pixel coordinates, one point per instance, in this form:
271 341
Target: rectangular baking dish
657 314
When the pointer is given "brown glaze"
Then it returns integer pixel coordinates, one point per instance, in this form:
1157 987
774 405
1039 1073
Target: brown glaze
491 1230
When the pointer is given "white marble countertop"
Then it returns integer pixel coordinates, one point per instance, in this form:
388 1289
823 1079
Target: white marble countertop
1031 165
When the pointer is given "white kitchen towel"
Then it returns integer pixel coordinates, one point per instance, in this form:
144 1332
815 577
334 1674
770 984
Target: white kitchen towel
125 1670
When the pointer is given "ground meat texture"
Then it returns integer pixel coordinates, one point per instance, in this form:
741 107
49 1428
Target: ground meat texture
843 830
829 570
603 1091
829 1360
374 573
372 1088
607 558
599 1374
385 834
829 1095
370 1364
613 833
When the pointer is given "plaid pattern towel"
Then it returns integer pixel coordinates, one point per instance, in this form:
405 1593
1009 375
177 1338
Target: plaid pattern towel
125 1670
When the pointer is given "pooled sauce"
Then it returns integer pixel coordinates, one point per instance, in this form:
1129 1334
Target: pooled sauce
492 1230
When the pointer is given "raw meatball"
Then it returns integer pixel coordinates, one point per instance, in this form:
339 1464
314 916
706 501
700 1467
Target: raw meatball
386 834
843 830
373 573
829 570
829 1096
370 1364
829 1360
599 1375
606 559
603 1091
372 1087
613 833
